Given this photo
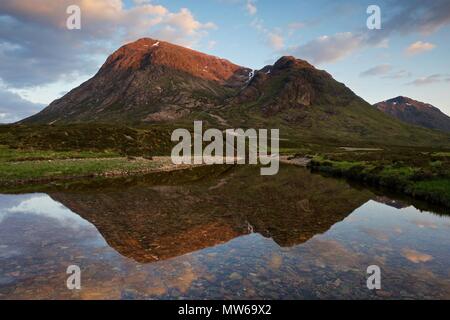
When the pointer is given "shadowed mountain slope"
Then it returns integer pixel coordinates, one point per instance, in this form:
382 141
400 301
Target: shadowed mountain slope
415 112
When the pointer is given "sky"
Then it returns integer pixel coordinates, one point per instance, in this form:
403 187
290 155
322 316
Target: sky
41 59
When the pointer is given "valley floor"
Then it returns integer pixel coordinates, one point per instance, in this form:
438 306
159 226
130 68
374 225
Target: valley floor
423 174
19 167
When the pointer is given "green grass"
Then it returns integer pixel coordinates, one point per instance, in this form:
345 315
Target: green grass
15 155
81 138
64 168
409 172
441 154
21 166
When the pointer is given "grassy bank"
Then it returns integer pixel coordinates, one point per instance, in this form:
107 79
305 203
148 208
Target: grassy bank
421 174
39 166
41 154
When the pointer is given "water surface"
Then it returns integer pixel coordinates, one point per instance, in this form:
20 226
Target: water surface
220 234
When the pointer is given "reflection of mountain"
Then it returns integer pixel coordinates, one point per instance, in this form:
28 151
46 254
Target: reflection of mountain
148 222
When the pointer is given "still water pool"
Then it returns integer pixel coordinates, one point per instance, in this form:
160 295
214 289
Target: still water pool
221 234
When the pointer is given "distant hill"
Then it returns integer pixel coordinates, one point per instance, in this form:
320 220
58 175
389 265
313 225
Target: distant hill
151 82
415 112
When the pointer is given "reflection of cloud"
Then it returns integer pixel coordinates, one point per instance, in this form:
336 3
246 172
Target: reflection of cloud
425 224
333 253
377 234
416 256
275 261
43 205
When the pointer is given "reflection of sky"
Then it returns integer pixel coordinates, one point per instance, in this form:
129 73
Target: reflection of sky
408 233
405 243
381 214
40 205
374 218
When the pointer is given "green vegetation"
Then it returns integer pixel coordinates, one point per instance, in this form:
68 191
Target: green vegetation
421 174
45 153
80 138
24 166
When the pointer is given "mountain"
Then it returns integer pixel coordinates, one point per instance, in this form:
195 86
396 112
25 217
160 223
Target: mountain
415 112
309 104
150 82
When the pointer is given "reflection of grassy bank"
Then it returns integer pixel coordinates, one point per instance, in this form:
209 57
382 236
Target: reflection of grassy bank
424 175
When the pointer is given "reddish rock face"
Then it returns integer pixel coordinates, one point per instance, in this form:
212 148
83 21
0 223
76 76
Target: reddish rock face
148 81
415 112
144 52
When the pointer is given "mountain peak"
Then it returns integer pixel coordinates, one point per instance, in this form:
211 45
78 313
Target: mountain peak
291 62
415 112
400 100
146 52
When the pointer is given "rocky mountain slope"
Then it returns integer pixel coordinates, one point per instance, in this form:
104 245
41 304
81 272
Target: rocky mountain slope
415 112
151 82
148 81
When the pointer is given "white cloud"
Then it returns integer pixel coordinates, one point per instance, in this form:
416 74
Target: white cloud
14 108
398 74
211 44
276 41
434 78
329 48
272 38
37 49
409 17
419 47
251 7
382 69
296 25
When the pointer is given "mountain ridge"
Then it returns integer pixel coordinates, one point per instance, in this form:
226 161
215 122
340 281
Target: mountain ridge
415 112
150 82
